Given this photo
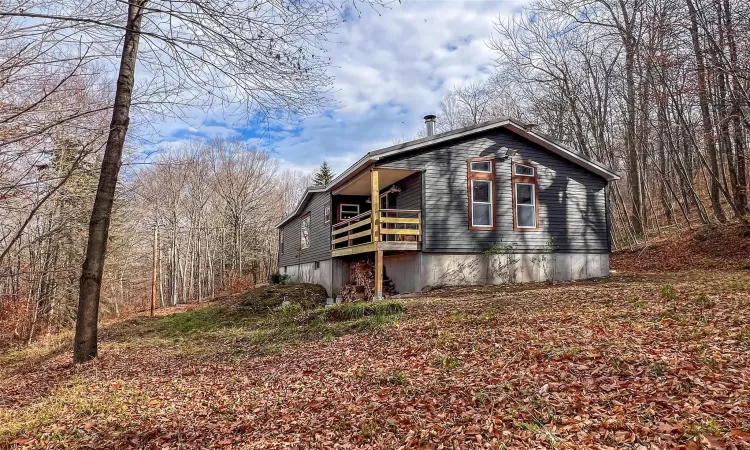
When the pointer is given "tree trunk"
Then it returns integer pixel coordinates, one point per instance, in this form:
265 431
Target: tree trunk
634 173
85 344
708 132
736 112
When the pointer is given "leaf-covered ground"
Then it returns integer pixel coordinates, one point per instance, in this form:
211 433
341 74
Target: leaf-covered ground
651 361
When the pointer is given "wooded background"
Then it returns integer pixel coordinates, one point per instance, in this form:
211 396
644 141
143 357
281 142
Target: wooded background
659 90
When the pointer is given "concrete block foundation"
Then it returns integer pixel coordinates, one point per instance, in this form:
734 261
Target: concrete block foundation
415 271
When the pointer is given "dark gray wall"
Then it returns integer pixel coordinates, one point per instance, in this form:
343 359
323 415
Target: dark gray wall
410 196
572 206
320 234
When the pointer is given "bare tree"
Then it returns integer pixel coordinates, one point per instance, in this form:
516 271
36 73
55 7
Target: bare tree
261 56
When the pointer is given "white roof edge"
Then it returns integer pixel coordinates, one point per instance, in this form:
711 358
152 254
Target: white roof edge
545 142
568 154
308 191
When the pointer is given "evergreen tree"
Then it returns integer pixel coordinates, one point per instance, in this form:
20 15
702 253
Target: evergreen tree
324 175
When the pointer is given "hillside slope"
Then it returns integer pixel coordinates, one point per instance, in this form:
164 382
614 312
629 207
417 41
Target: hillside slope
658 361
718 247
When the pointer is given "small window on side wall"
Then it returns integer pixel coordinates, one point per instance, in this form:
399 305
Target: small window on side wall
525 197
481 166
281 242
327 214
481 184
524 170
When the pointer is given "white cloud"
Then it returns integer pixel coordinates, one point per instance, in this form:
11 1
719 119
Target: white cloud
389 71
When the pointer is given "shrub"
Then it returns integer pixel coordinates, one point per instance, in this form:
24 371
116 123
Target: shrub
279 278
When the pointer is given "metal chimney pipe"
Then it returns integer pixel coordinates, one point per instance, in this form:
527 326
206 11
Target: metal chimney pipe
429 123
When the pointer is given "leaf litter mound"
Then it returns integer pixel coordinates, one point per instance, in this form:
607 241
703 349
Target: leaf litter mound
708 248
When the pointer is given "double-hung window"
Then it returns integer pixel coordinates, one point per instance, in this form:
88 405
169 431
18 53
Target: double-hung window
525 197
305 233
327 214
481 177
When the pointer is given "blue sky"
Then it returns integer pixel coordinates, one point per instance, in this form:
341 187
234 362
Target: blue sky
389 71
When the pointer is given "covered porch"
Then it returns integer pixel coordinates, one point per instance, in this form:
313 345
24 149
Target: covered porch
368 221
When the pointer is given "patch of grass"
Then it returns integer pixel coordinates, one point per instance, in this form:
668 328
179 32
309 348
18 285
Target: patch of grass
694 335
372 428
529 427
658 369
668 292
238 331
564 352
637 303
31 355
668 313
447 362
354 311
457 317
744 335
395 378
705 302
78 402
710 362
710 427
266 298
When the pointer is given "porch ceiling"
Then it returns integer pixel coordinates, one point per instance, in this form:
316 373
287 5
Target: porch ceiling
361 184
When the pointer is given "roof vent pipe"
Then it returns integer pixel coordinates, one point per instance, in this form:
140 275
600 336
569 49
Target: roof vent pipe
429 123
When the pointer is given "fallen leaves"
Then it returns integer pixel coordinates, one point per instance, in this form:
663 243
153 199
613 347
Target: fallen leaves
576 365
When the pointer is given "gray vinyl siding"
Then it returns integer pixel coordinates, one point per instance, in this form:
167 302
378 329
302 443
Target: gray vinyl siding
410 196
320 234
572 200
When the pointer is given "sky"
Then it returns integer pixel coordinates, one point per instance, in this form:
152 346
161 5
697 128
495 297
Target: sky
389 71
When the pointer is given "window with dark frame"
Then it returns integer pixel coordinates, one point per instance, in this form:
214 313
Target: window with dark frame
481 186
525 197
305 233
316 265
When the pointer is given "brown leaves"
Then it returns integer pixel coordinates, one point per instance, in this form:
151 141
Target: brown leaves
579 365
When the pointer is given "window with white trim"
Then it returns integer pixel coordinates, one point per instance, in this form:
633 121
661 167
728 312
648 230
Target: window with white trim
481 180
525 205
281 242
481 203
305 233
327 214
525 197
347 211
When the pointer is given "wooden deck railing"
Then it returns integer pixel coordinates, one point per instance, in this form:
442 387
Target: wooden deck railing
357 229
400 224
394 225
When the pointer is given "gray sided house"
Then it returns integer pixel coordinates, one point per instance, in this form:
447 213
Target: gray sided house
491 203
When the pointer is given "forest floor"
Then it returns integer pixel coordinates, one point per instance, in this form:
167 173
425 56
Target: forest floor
659 360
